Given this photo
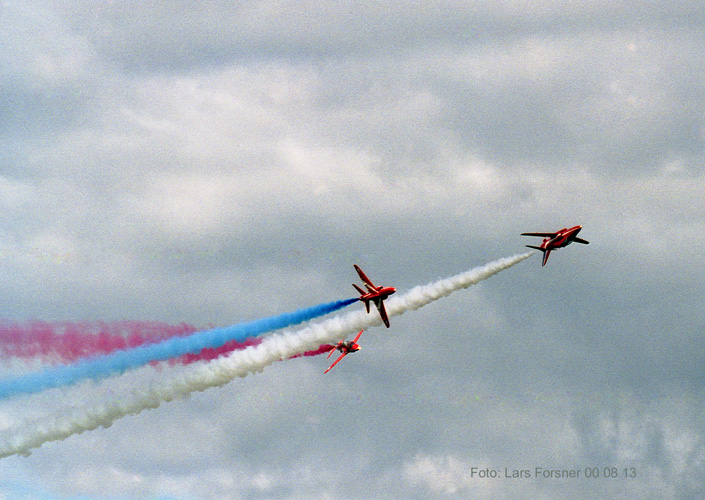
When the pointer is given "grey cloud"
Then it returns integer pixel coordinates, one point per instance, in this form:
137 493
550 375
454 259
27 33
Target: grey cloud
218 164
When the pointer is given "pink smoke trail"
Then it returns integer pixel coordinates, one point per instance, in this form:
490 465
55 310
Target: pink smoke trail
67 342
211 354
323 349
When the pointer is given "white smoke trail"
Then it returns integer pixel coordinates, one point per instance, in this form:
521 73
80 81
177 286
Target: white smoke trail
238 364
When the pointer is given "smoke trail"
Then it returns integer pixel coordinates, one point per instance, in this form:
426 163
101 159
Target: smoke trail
322 349
70 341
120 361
64 342
239 364
211 353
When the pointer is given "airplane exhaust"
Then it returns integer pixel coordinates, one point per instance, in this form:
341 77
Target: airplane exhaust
120 361
201 376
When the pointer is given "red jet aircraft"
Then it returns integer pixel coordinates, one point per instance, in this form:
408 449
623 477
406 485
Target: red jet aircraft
376 294
346 347
559 239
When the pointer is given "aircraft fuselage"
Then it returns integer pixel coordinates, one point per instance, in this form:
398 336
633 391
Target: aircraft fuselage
559 239
563 238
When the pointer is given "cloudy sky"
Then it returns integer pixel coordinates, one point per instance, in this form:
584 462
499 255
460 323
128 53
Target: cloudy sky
211 163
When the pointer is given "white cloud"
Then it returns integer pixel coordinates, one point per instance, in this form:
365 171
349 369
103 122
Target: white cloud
14 193
439 474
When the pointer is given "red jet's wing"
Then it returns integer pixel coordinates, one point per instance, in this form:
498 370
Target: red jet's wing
545 235
336 361
382 312
358 336
365 279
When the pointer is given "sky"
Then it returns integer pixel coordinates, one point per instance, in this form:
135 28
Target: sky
214 164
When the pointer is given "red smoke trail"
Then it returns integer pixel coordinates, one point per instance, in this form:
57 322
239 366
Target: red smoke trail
324 349
67 342
209 354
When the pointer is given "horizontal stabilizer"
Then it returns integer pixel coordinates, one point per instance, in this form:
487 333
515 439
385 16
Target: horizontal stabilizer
535 248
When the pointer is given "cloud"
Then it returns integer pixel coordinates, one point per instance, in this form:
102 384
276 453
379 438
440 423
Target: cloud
209 165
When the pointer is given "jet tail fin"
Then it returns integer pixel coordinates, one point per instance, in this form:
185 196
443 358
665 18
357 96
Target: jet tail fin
545 257
546 253
382 312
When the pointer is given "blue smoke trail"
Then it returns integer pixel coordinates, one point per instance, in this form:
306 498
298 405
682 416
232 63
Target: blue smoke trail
120 361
